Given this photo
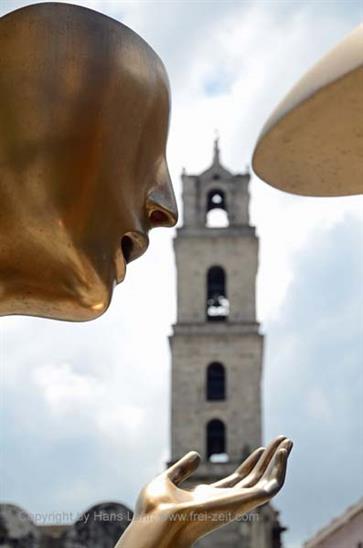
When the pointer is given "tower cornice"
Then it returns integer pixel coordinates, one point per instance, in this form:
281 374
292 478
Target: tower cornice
211 329
235 231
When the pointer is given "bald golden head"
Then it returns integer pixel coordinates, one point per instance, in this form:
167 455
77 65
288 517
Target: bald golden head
84 114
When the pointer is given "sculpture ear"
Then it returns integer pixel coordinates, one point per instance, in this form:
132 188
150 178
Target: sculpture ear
183 468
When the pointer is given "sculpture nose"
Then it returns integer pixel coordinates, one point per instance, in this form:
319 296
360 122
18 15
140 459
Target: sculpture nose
161 205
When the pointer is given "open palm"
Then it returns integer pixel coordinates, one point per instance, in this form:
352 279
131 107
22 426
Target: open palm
195 512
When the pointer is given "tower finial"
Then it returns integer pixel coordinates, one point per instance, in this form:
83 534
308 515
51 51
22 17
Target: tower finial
216 148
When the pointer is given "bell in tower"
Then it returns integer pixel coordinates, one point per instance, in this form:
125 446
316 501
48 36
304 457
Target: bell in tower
216 344
217 302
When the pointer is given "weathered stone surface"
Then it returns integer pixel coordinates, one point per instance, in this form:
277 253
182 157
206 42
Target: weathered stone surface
17 530
100 527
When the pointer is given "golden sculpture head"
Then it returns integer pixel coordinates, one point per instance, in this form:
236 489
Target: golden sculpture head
84 111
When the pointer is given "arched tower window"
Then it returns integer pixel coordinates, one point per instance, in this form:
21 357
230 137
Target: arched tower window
216 438
216 382
217 302
217 213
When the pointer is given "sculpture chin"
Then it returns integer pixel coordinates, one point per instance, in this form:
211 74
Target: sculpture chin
83 305
63 291
120 266
47 273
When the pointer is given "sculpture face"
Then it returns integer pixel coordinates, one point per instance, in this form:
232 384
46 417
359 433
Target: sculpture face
84 110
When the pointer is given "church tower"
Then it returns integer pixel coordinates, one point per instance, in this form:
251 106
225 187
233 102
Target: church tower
216 345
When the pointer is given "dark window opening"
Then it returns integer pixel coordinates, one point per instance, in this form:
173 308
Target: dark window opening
245 452
216 214
216 382
217 302
216 438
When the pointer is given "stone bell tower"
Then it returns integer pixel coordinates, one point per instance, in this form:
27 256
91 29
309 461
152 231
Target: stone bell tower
216 344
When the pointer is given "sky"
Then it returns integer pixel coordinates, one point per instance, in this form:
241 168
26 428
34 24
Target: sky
85 407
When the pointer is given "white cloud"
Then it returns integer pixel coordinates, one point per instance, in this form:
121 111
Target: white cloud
64 388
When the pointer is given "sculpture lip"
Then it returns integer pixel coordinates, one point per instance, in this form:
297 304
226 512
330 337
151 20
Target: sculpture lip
133 245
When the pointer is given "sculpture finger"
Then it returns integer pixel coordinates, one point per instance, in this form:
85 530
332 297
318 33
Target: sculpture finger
275 474
242 471
264 461
183 468
236 502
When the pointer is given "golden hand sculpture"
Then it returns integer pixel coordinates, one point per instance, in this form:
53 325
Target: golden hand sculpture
168 516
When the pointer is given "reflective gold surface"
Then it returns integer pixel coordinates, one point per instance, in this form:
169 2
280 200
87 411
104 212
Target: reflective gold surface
312 144
168 516
84 111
